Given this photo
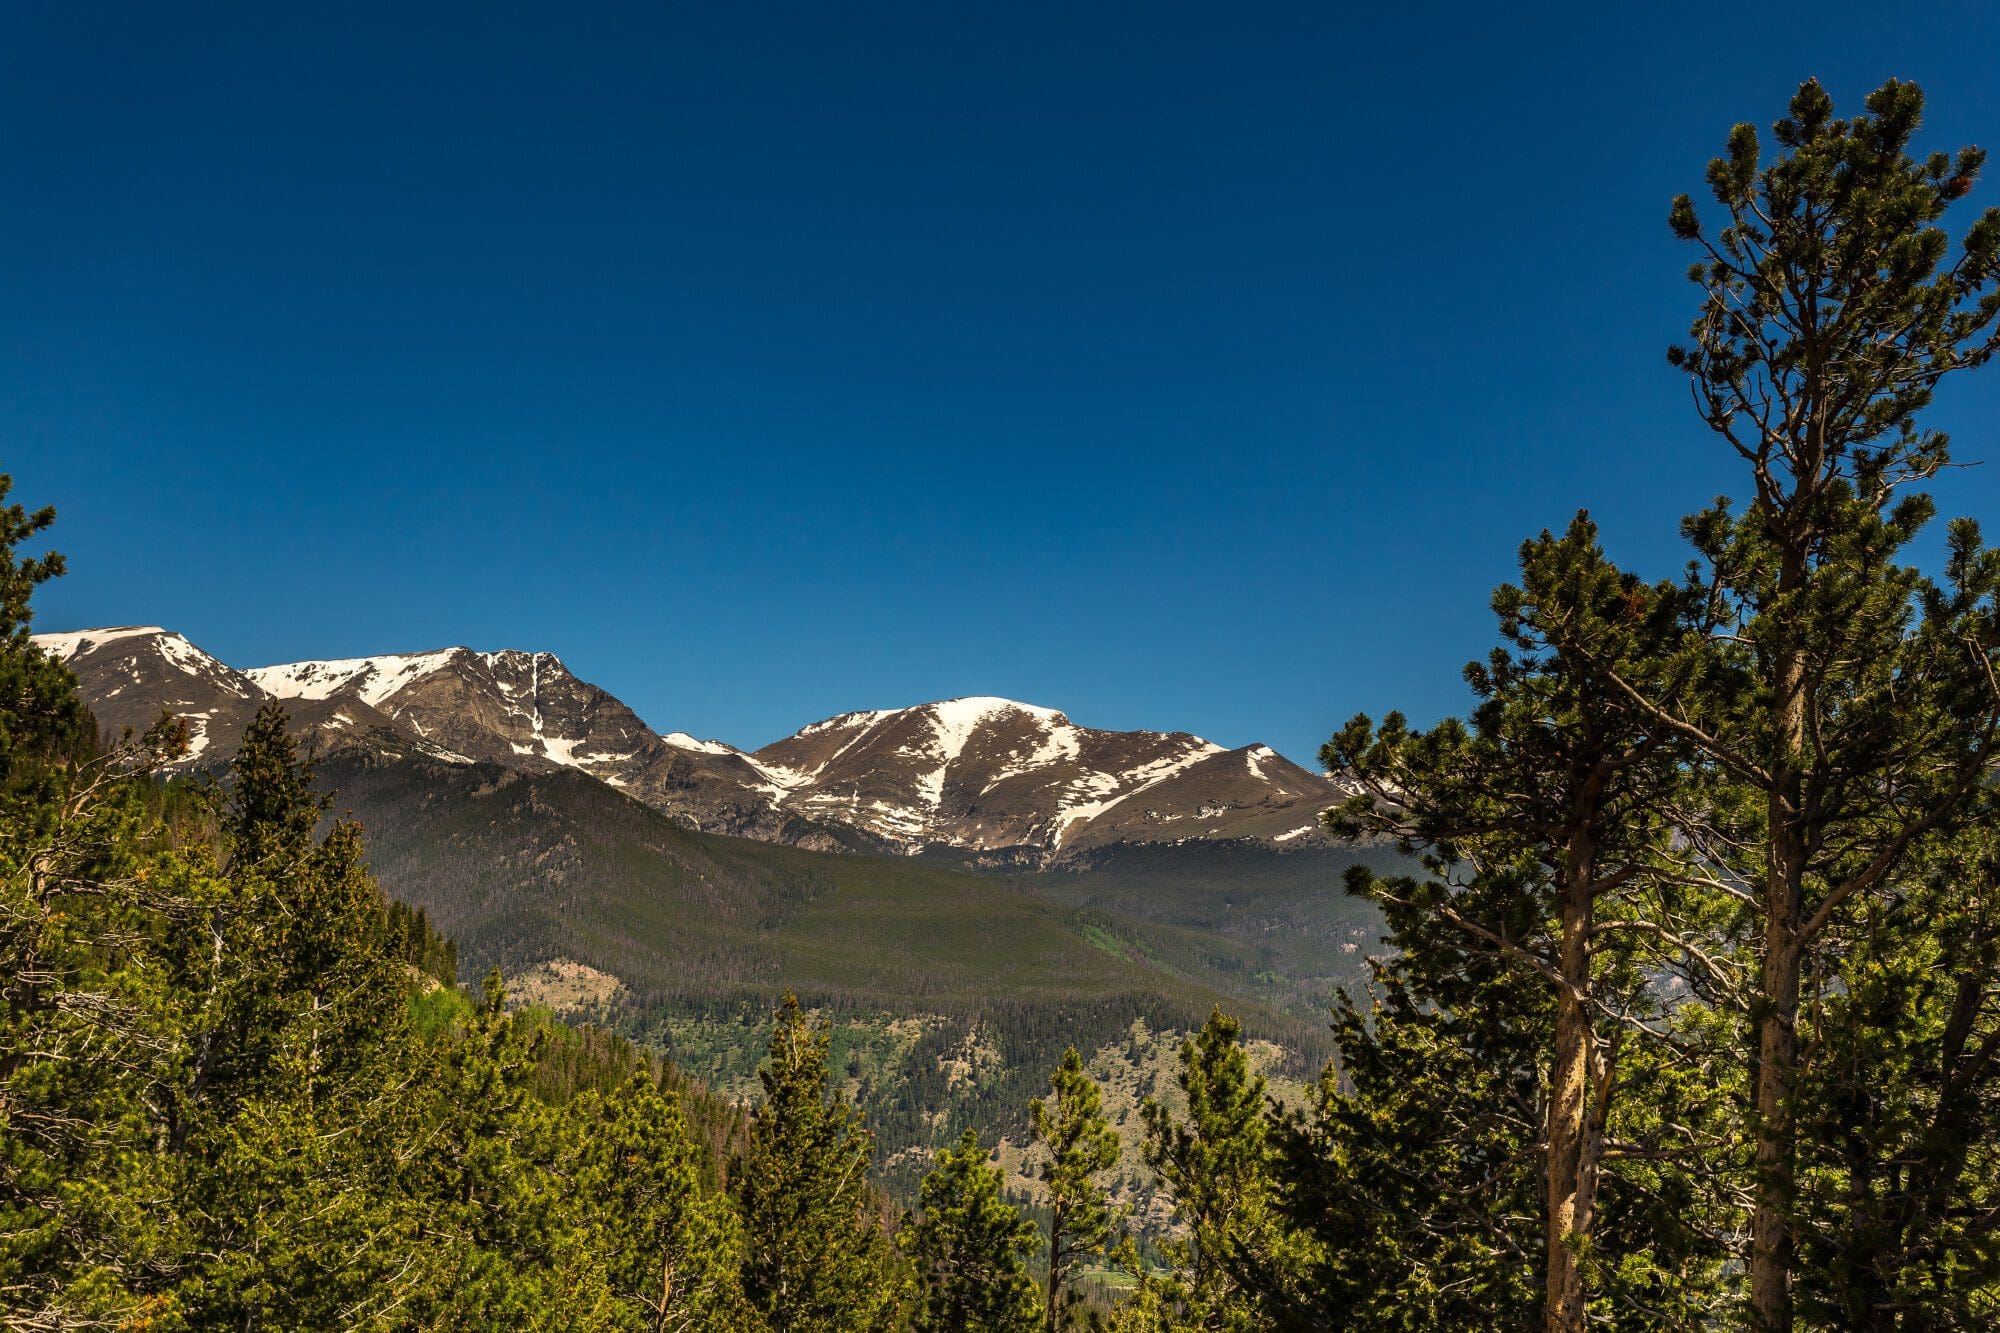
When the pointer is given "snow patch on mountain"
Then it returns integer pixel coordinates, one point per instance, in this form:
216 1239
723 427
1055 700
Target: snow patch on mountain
955 720
778 780
73 643
865 722
680 740
373 678
953 724
197 736
185 656
1061 744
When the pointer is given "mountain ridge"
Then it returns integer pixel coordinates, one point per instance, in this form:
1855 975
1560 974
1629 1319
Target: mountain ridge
1012 782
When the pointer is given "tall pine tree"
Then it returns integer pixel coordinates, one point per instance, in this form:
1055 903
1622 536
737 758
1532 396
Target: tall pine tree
1857 701
295 1011
971 1249
1218 1165
1551 834
816 1261
673 1252
1078 1146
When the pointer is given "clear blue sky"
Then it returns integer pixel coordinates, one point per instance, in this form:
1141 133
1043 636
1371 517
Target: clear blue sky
1178 366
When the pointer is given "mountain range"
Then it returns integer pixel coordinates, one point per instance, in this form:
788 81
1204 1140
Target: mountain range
988 780
963 888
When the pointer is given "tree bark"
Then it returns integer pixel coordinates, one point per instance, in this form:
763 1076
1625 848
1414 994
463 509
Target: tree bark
1052 1312
1771 1242
1570 1192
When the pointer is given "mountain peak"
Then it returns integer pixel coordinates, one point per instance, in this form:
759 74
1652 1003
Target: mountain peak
74 643
130 643
981 772
129 673
979 706
958 720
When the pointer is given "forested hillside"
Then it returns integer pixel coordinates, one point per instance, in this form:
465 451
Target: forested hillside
686 940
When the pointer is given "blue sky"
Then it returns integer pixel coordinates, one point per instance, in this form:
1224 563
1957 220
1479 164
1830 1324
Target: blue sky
1178 366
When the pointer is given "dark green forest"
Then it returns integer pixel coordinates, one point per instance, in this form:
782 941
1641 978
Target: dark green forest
1689 1014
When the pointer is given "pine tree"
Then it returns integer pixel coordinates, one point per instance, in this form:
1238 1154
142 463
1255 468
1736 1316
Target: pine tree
1857 701
273 810
1218 1166
815 1260
1900 1105
296 1010
509 1237
1552 839
971 1249
1079 1145
673 1250
1410 1180
85 1208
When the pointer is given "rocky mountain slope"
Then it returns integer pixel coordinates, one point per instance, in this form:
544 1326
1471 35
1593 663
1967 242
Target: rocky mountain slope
991 780
991 775
132 674
526 711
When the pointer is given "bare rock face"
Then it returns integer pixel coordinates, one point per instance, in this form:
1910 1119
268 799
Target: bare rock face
999 781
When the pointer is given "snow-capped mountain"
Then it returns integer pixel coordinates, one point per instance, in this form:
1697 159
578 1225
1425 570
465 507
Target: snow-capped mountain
521 709
528 711
130 674
992 777
990 774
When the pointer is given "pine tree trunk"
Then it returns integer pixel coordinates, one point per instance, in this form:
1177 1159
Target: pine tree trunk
1771 1250
1053 1312
1777 1054
1569 1194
